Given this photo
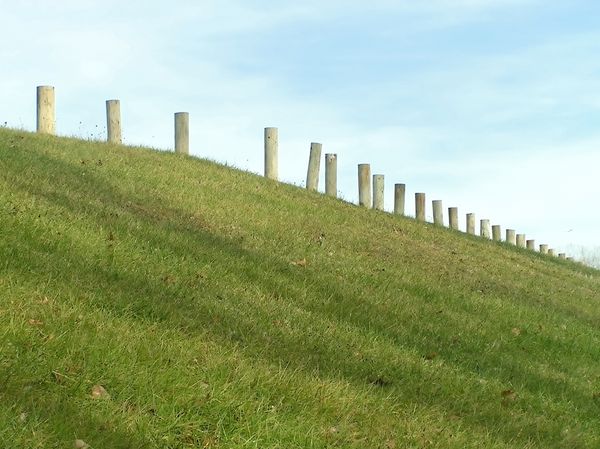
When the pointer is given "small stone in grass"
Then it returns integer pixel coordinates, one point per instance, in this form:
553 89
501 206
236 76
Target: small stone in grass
80 444
99 392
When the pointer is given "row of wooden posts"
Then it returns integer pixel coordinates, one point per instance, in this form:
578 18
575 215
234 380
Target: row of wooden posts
371 195
370 188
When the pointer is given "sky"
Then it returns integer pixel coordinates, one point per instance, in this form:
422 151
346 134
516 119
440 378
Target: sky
492 106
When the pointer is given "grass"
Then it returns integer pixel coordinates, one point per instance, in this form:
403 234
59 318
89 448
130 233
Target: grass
222 310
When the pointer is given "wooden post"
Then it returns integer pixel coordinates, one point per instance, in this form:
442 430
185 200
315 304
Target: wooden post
331 174
551 252
182 133
484 229
314 165
420 206
531 245
511 236
471 224
378 192
544 249
562 256
497 233
46 118
438 212
399 198
364 185
453 218
521 243
113 122
271 153
570 259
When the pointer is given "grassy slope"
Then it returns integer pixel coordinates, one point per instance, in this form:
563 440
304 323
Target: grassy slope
168 280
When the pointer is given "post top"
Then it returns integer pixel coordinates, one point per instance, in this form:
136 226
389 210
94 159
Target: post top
45 87
182 113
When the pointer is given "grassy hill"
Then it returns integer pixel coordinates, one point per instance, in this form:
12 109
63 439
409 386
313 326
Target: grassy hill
151 300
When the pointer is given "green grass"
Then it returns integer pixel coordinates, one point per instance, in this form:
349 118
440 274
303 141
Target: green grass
171 282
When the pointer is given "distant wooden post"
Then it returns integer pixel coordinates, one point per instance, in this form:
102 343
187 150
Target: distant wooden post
271 153
497 233
484 229
182 132
544 249
420 206
113 122
364 185
471 224
570 259
378 192
551 252
562 256
399 198
314 165
438 212
511 236
531 245
453 218
521 243
331 174
46 118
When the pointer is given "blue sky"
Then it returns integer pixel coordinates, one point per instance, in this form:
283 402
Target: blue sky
490 105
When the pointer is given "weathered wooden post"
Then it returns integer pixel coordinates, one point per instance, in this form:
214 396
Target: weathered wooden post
399 198
570 259
531 245
314 165
420 206
544 249
378 192
113 122
364 185
271 153
331 174
484 229
497 233
521 241
471 224
182 132
453 218
46 118
551 252
511 236
438 212
562 256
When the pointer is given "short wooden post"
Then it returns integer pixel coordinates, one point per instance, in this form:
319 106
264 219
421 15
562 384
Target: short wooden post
521 243
438 212
364 185
471 224
113 122
497 233
484 229
399 198
420 206
551 252
314 165
511 236
544 249
378 192
182 132
531 245
453 218
570 259
46 118
562 256
271 153
331 174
